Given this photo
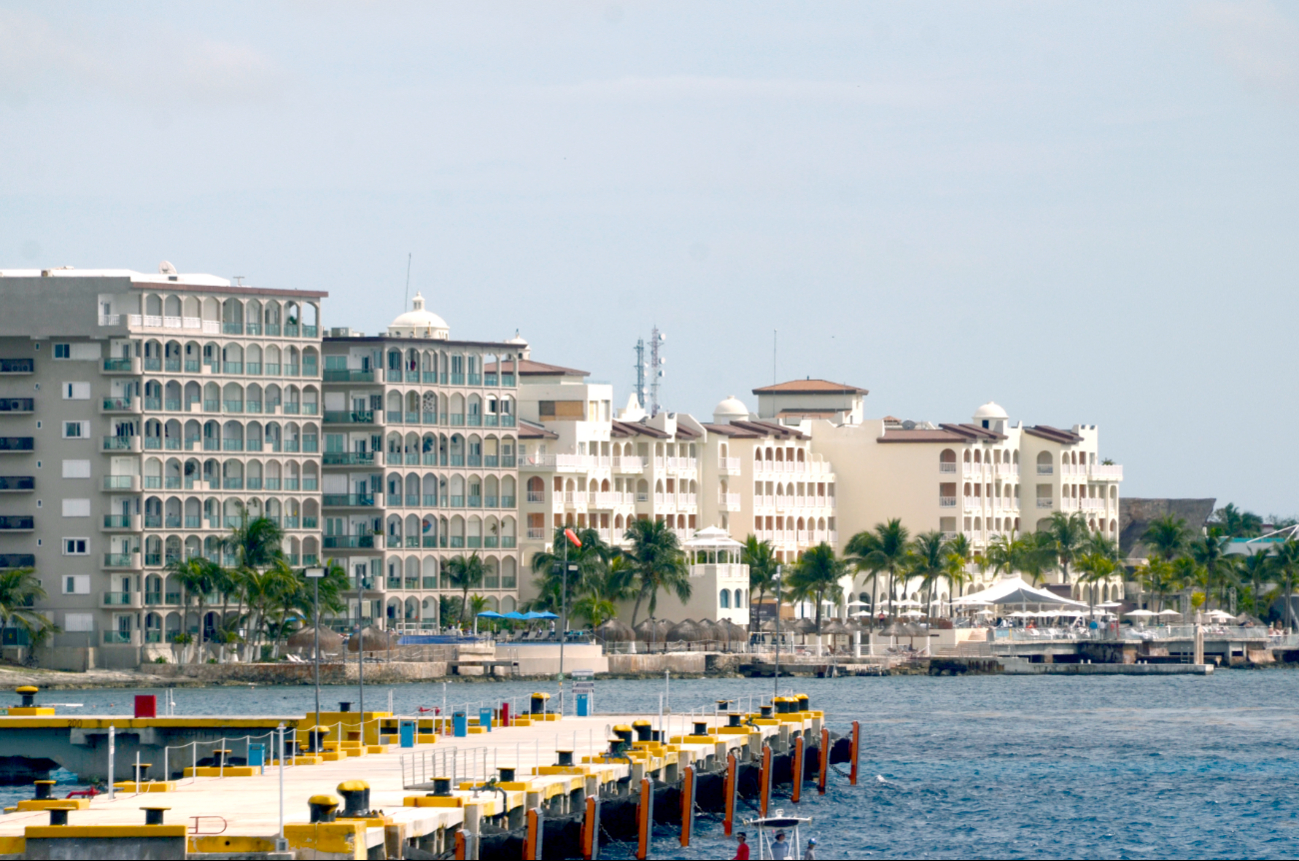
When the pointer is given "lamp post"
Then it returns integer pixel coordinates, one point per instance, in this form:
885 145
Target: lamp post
570 537
315 575
776 583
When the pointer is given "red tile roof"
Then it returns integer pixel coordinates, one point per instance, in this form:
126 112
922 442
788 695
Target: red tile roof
529 368
529 430
1065 437
810 387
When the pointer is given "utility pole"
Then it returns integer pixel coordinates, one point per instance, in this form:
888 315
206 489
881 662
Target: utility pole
656 366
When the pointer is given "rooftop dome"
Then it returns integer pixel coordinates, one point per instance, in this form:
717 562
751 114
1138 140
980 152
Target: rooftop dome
418 323
518 339
990 410
731 408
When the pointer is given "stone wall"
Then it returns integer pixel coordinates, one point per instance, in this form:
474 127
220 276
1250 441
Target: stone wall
302 674
678 662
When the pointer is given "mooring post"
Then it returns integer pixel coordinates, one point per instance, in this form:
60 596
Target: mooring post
729 790
823 773
856 742
687 805
796 791
112 751
644 818
764 780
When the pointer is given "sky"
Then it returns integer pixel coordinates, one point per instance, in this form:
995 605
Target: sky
1085 212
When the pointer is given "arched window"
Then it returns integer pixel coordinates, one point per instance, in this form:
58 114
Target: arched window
724 599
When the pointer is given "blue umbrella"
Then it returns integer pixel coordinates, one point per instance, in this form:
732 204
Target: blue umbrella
515 615
533 615
490 614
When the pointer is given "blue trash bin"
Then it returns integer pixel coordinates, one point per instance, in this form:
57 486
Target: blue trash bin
485 719
583 705
407 733
460 724
257 755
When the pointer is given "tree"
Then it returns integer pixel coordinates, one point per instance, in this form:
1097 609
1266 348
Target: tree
197 576
1166 537
599 602
1000 555
465 573
816 577
255 545
886 548
1209 553
1095 567
1236 523
930 560
1287 575
265 592
1256 569
1157 578
1067 535
592 560
1033 555
658 564
761 559
19 592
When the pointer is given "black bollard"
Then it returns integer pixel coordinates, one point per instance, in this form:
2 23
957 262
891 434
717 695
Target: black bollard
322 807
356 798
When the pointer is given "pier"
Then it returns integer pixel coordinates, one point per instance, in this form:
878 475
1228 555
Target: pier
375 785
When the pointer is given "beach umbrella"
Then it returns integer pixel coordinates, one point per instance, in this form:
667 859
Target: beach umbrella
685 631
836 627
490 614
614 631
330 640
802 626
1168 612
373 638
1140 614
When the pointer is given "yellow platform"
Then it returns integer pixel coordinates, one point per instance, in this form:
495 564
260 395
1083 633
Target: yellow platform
54 804
147 786
30 711
228 771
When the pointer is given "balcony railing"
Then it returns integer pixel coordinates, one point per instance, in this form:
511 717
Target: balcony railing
1044 503
347 499
331 542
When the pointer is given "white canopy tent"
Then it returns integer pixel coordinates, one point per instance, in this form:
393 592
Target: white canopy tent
1014 590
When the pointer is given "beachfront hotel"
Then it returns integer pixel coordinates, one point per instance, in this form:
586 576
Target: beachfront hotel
142 415
420 466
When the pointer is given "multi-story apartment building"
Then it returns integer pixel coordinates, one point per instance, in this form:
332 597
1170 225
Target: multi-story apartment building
761 477
420 465
146 414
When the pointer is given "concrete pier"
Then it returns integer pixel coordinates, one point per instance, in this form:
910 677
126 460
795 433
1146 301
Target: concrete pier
239 815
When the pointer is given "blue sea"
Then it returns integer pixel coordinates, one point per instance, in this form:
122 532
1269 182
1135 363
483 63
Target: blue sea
961 767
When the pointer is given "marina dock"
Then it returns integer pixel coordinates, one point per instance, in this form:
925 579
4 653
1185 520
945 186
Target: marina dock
459 789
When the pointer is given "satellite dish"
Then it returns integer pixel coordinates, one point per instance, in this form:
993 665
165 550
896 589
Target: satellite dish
166 268
908 425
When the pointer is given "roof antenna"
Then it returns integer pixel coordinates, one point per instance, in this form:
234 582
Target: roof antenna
774 334
406 301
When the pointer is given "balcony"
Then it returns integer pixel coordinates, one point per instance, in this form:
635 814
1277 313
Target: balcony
17 444
120 405
348 500
728 501
1045 469
342 375
17 523
120 599
17 560
947 502
121 443
120 522
19 406
1045 503
131 561
949 467
17 366
17 484
124 366
122 482
120 638
1105 472
348 458
728 465
340 542
348 417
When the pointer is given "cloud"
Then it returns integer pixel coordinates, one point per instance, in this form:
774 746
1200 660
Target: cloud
151 65
1256 41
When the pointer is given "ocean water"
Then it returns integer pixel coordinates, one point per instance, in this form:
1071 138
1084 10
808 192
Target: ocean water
982 766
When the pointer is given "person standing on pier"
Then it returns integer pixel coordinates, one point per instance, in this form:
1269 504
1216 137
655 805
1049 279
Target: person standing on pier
809 854
742 851
779 848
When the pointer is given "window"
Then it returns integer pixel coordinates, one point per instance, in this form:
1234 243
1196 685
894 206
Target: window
77 584
76 391
76 546
63 351
76 469
79 622
76 430
76 508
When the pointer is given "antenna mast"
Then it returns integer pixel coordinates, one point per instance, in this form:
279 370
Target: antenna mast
640 372
656 363
774 334
406 301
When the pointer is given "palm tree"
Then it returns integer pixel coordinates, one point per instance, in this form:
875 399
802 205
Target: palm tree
816 577
761 559
884 549
1033 555
1256 569
465 573
592 561
1287 575
1000 555
196 576
269 593
255 545
1157 577
658 564
1235 523
1068 536
1209 552
19 590
1166 537
930 561
1096 567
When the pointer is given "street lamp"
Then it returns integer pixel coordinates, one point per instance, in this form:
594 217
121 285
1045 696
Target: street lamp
315 575
776 584
570 537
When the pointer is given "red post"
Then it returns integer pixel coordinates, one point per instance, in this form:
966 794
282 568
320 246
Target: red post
644 819
530 839
590 829
823 774
856 746
146 705
798 770
687 805
461 854
764 780
732 770
505 714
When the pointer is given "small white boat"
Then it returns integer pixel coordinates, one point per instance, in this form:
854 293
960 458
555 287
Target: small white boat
769 826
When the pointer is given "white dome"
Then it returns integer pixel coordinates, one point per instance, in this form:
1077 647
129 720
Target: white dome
990 410
419 323
518 339
730 408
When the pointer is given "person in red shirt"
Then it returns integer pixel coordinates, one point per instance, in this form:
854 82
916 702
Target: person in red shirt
742 851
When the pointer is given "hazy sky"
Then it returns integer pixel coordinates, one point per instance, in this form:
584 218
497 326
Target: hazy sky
1078 210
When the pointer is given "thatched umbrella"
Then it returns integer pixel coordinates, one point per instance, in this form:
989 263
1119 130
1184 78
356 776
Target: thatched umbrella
614 631
803 626
686 631
375 640
835 626
305 640
652 631
710 632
